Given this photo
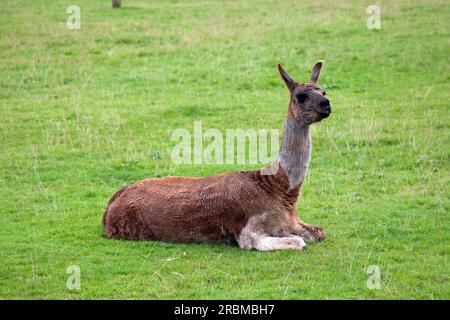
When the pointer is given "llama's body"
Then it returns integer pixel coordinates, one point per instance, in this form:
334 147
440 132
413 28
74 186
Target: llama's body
257 209
211 209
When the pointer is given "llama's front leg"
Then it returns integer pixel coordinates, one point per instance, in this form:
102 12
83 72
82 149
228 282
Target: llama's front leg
308 232
267 243
251 240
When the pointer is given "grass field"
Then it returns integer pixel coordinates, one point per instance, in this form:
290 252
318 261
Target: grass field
84 112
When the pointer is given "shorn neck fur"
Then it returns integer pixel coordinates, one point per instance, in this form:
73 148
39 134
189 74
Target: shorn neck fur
295 151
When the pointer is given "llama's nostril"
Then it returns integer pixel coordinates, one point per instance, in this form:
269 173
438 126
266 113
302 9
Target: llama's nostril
324 109
324 103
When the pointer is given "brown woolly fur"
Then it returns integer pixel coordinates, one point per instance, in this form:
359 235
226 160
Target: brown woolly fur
114 197
197 209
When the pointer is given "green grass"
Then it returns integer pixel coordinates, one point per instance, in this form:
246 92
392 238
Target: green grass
86 111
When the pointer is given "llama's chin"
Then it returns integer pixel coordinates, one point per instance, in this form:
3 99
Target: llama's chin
322 116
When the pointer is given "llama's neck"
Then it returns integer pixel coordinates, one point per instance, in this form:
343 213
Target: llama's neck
295 152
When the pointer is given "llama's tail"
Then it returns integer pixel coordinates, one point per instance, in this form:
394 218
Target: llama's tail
114 197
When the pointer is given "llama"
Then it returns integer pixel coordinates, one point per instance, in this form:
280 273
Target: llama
253 209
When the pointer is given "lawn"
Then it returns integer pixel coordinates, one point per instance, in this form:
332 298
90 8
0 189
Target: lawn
84 112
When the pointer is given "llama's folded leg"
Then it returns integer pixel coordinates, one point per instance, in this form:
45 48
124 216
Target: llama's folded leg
309 232
276 243
267 243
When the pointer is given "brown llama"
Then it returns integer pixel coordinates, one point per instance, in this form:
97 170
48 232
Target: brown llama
255 209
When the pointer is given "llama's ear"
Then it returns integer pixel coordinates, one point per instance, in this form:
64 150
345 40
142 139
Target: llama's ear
290 83
316 71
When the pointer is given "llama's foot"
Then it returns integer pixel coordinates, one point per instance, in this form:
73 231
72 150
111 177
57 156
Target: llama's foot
309 232
266 243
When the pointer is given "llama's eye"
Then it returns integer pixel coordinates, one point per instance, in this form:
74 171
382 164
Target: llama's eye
324 93
301 97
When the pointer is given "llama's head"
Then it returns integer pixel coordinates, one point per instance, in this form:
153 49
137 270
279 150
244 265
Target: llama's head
308 103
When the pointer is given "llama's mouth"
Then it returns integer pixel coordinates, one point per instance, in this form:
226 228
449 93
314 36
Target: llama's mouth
323 114
324 111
